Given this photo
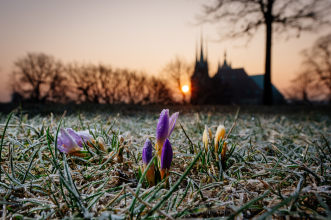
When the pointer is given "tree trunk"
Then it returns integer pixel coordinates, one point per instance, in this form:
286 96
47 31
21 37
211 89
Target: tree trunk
267 91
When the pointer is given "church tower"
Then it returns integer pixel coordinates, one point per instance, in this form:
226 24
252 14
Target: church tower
200 80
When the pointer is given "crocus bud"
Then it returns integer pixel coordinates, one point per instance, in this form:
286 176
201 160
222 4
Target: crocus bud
166 158
205 140
162 130
147 155
66 143
220 133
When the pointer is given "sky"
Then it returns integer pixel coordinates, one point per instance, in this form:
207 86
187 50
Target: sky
141 35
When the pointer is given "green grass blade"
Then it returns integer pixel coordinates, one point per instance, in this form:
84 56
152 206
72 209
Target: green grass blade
175 186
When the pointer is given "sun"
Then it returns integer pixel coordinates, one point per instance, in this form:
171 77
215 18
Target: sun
185 88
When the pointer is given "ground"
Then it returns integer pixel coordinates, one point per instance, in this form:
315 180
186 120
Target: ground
280 165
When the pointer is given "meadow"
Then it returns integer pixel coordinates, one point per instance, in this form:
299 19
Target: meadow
278 164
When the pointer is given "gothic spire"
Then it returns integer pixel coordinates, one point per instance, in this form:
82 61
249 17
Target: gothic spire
201 48
225 62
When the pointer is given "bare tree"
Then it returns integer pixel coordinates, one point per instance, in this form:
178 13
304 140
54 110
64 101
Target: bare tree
159 93
38 77
317 63
177 72
108 81
137 87
300 89
101 84
80 79
246 16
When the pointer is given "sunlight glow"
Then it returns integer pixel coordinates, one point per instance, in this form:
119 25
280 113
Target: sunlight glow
185 88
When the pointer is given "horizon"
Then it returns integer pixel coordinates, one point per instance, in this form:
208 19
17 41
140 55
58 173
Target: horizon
142 36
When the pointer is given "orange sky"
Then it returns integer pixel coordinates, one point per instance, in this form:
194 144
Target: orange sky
142 35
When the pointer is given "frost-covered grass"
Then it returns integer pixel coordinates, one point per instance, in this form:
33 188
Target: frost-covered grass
280 167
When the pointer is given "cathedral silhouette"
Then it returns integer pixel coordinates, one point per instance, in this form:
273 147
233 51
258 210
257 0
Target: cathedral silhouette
228 86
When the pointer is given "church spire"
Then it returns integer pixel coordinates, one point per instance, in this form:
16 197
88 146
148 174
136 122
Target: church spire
225 63
201 48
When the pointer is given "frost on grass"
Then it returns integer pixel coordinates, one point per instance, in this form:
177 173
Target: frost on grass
280 167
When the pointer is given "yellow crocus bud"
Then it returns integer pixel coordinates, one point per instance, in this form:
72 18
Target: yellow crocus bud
210 134
220 133
205 138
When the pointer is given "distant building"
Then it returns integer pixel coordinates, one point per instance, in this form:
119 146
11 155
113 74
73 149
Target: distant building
277 96
227 86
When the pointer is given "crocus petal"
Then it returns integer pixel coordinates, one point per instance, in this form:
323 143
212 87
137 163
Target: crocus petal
166 156
205 138
220 133
66 142
147 153
210 135
172 122
80 136
162 129
85 135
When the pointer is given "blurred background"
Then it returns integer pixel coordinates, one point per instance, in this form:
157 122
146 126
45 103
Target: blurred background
164 52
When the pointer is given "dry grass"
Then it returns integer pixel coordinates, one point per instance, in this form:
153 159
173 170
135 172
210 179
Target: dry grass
280 167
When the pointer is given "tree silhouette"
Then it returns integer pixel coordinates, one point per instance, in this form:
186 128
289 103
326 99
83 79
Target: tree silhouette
101 84
246 16
178 71
300 89
38 77
317 63
81 79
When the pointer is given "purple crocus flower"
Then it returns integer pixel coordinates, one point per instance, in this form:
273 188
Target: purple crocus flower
147 155
147 152
166 158
70 141
164 128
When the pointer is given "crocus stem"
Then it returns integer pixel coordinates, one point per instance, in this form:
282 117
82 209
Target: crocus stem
164 173
150 176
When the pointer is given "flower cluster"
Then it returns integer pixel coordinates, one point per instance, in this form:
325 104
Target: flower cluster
164 128
72 142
